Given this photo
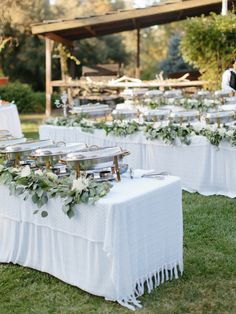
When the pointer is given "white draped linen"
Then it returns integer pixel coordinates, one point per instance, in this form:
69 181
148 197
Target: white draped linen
9 120
132 236
202 167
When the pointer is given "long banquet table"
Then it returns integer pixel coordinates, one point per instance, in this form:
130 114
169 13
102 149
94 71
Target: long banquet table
9 120
202 167
132 236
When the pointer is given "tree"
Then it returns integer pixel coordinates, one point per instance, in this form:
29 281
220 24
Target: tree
209 44
24 62
174 61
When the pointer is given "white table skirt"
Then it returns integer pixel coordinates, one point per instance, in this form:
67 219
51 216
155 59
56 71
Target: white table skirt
202 167
9 120
131 236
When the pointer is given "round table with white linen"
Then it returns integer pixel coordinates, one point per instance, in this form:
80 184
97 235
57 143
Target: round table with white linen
9 120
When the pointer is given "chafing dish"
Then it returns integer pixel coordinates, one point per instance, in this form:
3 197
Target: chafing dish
230 100
184 116
6 141
202 94
219 117
52 154
221 93
4 132
97 160
173 93
156 93
128 104
92 110
156 115
124 114
21 151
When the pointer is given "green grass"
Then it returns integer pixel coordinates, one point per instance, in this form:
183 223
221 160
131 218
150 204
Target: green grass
207 286
30 124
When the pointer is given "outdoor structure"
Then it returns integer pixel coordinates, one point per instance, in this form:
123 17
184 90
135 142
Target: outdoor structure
67 31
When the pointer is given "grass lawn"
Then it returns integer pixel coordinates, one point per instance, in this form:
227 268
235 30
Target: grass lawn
207 286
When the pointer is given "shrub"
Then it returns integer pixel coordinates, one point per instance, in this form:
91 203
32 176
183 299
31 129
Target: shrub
209 44
26 99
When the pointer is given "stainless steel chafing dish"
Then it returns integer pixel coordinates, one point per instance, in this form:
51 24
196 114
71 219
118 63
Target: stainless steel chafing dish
124 114
51 155
4 134
202 94
173 93
20 151
155 93
92 110
156 115
184 116
97 160
219 117
6 141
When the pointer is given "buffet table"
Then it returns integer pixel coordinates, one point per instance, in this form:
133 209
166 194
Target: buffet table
202 167
9 120
130 237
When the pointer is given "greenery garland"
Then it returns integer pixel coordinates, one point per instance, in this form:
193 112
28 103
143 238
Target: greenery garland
42 185
168 134
121 128
153 131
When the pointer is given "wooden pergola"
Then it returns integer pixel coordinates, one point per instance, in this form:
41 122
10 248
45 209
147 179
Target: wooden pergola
67 31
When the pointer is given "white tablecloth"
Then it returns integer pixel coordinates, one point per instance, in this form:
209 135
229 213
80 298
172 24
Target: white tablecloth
9 120
131 236
202 167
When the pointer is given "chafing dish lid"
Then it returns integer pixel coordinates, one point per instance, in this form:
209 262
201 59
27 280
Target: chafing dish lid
125 111
58 150
90 108
221 93
220 114
27 146
154 93
156 112
4 132
95 153
11 141
173 93
190 113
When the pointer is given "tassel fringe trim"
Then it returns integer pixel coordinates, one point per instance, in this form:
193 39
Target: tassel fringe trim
153 280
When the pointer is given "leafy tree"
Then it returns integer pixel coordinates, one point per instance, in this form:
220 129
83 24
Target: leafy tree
209 43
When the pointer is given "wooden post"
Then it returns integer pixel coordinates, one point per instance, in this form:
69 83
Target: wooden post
137 72
48 56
